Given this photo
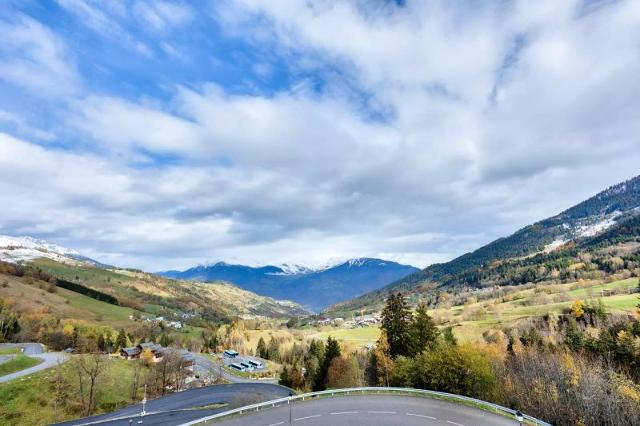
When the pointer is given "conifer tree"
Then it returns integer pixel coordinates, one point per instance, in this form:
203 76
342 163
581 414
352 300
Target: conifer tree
331 351
396 319
424 333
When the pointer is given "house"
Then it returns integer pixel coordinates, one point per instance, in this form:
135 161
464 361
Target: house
156 350
174 324
130 353
187 359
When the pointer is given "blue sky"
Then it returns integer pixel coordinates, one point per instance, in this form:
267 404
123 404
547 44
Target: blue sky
159 134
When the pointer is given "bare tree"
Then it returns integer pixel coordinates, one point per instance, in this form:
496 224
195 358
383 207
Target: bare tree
135 383
61 388
89 369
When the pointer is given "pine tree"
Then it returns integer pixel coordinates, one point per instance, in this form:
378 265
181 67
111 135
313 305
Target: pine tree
102 344
396 319
331 351
285 380
424 333
121 340
273 350
261 349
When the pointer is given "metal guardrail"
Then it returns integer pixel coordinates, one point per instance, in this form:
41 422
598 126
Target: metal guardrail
364 390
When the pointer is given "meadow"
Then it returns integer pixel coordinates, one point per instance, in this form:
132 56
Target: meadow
471 319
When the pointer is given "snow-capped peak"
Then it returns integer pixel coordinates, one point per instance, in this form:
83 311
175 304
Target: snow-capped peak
292 269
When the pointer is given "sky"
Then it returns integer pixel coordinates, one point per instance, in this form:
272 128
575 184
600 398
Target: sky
163 134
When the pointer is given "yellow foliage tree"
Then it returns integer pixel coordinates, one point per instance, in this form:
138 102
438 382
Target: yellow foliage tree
577 309
147 357
68 329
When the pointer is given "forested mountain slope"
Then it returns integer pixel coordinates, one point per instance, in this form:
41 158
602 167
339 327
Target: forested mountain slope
607 218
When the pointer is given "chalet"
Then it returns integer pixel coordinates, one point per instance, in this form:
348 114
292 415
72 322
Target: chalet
158 351
130 353
187 359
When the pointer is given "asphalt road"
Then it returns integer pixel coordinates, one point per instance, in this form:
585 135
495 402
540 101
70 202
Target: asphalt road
371 410
189 405
205 364
34 350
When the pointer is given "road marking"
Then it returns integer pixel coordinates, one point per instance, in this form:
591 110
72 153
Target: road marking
276 424
381 412
454 423
308 417
421 415
345 412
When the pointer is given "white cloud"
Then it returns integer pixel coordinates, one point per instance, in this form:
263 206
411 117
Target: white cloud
33 57
440 127
162 15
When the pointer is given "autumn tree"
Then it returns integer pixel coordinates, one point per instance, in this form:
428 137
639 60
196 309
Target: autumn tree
379 364
343 373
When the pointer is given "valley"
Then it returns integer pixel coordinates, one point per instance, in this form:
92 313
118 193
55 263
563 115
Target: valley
559 286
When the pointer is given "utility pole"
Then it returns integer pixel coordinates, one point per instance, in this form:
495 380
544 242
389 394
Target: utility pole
289 402
144 404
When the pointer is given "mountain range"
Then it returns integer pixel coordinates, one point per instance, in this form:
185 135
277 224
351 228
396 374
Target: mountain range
313 289
604 220
138 290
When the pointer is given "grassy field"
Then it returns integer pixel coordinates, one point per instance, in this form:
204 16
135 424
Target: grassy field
472 320
96 276
62 303
98 311
20 362
31 400
10 351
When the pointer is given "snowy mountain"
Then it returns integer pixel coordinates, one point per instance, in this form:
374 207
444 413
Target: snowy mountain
312 288
15 249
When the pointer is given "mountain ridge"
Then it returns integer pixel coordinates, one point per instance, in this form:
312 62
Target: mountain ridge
587 220
312 289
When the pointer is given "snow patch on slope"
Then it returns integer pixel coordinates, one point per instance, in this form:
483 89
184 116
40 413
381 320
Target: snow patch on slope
554 245
15 249
598 227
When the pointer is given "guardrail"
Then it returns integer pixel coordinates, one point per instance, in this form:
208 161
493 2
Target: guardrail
364 390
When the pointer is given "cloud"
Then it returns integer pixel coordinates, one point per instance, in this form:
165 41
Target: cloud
162 15
33 57
413 132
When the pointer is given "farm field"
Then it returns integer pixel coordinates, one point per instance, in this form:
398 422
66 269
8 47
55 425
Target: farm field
473 319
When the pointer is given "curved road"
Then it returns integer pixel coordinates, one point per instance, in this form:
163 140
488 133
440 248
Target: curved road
34 350
189 405
372 410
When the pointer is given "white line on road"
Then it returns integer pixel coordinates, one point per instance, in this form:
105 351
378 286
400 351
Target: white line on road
276 424
421 415
308 417
345 412
381 412
454 423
